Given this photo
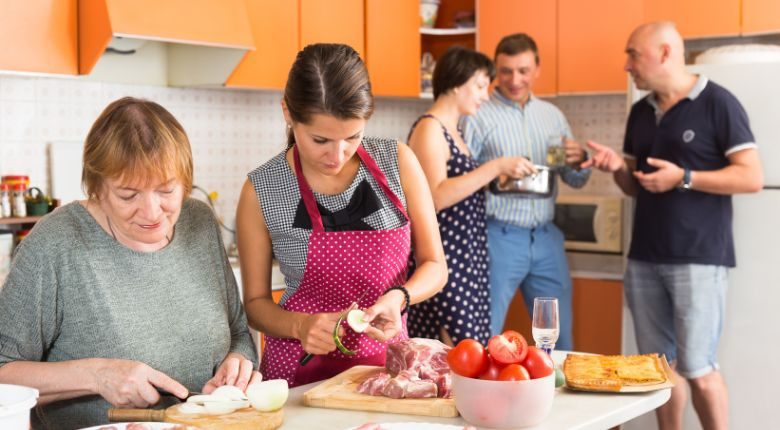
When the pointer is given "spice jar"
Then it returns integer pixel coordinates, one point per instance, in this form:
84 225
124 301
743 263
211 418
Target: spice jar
12 180
5 201
17 200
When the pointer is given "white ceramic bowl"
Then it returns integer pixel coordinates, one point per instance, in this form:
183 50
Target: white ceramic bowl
503 404
15 404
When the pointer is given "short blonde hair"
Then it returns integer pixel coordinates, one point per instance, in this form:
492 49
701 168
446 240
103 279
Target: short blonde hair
136 140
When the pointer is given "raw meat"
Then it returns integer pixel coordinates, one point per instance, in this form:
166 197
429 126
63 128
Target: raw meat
408 385
374 385
417 368
369 426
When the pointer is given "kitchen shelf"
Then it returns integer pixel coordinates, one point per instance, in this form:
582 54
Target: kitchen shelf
20 220
448 31
426 95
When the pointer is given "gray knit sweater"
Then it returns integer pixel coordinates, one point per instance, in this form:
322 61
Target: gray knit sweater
74 292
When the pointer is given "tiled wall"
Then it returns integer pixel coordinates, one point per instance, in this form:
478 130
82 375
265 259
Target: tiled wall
601 118
231 131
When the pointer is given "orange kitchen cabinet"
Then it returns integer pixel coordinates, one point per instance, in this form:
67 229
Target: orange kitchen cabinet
591 43
333 21
277 41
499 18
598 314
277 295
697 18
393 47
39 36
760 16
597 308
446 33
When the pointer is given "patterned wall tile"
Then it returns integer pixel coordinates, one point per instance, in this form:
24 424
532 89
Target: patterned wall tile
231 131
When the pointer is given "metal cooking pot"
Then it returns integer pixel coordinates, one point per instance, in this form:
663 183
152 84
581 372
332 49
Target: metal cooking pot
538 185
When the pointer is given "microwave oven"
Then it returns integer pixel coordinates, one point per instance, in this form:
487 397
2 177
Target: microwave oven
591 223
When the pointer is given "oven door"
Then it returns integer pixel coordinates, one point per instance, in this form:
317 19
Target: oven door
590 223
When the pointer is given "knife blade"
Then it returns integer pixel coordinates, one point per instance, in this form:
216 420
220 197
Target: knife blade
162 392
308 356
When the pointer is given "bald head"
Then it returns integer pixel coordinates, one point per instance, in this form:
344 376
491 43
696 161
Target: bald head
657 35
656 54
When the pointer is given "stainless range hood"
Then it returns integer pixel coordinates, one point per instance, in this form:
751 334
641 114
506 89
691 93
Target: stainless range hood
168 42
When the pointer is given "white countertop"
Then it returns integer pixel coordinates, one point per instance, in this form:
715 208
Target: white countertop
571 410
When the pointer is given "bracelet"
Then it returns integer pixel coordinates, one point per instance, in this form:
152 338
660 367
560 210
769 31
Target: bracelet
406 296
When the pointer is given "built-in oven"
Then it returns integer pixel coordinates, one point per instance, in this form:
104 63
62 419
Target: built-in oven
591 223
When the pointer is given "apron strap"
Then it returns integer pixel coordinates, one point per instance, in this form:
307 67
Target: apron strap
380 177
308 196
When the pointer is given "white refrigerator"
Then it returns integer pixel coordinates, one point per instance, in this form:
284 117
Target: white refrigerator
749 352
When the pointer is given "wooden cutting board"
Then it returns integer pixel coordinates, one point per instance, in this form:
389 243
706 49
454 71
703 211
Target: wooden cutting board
340 392
247 418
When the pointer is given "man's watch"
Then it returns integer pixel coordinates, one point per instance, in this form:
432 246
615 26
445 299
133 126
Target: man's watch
686 185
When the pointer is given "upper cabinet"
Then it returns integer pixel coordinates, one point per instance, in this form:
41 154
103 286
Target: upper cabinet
760 16
333 21
591 43
39 36
499 18
448 23
161 44
267 66
699 18
393 47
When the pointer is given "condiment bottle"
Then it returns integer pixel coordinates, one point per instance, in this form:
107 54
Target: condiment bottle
17 201
5 201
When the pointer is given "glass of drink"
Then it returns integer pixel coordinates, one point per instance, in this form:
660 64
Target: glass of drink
545 325
556 152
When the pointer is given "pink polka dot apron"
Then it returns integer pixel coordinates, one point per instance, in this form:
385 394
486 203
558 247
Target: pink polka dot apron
340 267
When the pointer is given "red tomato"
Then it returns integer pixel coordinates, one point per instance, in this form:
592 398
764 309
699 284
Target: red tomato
538 363
514 372
492 371
509 347
468 358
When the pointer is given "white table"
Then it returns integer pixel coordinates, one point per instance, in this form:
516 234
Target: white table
570 410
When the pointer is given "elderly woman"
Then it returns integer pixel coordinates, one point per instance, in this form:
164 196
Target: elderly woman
115 298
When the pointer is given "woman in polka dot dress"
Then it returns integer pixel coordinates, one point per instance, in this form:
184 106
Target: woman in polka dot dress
462 309
337 211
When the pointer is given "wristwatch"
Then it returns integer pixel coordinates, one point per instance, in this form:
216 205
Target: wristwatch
686 185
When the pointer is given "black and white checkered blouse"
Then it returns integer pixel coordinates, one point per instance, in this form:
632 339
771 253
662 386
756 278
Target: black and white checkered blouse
277 190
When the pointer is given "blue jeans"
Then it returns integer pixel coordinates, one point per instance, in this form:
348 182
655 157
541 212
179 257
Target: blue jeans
678 310
532 259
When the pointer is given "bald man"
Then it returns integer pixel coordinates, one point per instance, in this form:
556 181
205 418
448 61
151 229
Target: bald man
688 148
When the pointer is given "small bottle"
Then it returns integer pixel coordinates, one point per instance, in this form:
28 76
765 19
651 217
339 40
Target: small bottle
5 201
17 201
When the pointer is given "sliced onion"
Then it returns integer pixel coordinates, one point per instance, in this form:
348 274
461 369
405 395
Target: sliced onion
218 408
203 398
356 322
192 408
229 392
268 396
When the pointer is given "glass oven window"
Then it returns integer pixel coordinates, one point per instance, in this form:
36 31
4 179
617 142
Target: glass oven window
576 222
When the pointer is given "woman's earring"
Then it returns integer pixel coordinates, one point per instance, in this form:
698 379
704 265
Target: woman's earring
289 126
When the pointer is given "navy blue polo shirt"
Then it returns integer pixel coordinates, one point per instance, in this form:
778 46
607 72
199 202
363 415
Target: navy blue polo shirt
699 132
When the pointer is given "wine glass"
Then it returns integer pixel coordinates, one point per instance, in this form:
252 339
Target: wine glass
545 325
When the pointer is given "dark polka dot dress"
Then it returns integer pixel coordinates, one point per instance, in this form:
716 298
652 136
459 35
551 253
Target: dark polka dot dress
463 306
